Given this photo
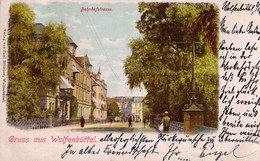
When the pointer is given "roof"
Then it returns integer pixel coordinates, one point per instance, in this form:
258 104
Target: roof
83 60
80 59
71 41
87 60
111 100
39 27
137 99
125 100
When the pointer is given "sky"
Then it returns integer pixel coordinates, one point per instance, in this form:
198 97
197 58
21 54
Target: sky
102 35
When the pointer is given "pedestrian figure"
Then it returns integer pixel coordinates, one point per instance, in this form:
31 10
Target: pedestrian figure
144 122
111 120
166 122
82 122
130 122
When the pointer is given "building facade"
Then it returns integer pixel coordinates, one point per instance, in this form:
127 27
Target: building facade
137 109
132 107
99 96
126 110
76 85
79 73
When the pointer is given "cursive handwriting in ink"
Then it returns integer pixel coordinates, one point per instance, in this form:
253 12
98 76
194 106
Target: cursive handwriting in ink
172 151
207 150
68 151
89 150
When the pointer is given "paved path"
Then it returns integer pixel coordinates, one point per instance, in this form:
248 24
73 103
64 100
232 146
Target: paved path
107 127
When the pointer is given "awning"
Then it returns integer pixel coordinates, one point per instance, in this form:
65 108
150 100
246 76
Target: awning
94 82
94 99
75 70
103 103
64 84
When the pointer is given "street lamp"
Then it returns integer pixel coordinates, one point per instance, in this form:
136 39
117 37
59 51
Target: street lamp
193 105
193 112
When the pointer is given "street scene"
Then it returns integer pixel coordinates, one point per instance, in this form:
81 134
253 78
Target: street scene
113 67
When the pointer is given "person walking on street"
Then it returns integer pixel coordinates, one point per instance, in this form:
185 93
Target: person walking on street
166 122
144 121
130 122
82 122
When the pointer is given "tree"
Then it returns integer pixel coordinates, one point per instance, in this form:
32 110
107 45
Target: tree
113 110
73 107
35 62
146 110
164 66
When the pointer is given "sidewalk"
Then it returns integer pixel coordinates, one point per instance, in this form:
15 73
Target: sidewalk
105 127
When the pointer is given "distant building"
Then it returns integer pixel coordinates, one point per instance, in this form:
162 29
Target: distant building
137 109
126 109
99 96
131 107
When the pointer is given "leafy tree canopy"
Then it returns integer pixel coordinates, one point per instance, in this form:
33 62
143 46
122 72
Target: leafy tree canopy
113 110
163 66
35 62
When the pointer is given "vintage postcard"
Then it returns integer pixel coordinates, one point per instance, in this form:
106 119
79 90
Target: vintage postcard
129 80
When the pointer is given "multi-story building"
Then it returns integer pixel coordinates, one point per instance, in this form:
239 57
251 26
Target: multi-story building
99 96
137 109
132 108
76 80
79 73
126 110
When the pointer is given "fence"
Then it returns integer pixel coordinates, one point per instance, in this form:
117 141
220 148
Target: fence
44 123
37 123
178 127
173 127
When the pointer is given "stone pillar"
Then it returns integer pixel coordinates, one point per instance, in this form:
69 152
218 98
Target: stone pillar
50 120
192 118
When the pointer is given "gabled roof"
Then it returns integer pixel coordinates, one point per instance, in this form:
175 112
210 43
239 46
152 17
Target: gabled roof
71 41
87 60
80 59
83 60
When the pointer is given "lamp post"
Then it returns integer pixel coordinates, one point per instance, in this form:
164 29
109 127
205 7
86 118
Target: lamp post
193 112
193 105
